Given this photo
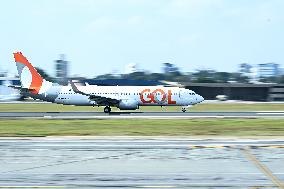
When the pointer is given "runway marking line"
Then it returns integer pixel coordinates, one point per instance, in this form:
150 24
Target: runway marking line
203 185
233 146
156 186
272 146
258 187
271 113
196 147
262 167
32 186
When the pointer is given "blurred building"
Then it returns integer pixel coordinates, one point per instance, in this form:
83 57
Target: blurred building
61 70
8 80
238 91
7 93
3 74
268 70
245 68
249 71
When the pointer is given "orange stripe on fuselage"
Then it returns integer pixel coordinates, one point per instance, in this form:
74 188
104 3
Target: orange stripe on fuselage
36 78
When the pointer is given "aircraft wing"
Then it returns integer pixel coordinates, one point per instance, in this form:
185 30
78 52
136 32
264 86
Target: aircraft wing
100 100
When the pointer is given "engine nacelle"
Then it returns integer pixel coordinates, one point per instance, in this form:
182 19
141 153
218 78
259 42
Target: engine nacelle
128 105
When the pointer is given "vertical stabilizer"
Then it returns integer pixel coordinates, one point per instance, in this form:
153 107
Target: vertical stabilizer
29 76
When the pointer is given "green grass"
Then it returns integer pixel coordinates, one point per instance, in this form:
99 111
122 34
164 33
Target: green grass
191 127
199 108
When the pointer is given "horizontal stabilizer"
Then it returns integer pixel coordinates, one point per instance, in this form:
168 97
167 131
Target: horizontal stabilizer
21 88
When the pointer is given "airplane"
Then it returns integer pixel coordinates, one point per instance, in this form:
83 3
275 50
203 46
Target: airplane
10 97
8 94
83 94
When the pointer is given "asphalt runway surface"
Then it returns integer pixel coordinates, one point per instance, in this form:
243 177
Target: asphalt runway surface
141 163
142 115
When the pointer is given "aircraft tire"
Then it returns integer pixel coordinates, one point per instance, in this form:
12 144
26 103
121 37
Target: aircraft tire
107 109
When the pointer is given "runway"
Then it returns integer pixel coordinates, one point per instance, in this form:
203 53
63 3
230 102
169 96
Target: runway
140 163
140 115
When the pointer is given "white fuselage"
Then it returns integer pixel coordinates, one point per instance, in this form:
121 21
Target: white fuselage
143 95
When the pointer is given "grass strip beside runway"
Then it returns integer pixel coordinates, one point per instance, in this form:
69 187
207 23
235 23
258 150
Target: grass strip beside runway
190 127
226 107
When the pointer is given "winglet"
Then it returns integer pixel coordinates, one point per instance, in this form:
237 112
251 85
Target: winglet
75 88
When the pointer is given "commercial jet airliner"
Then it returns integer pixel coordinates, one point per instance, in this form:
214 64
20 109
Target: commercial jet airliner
122 97
7 94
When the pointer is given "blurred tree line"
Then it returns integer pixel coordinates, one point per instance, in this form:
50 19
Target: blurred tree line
201 76
173 74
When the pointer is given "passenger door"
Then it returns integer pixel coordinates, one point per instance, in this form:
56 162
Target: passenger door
183 94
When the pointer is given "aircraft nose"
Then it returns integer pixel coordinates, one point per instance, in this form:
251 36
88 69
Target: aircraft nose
200 98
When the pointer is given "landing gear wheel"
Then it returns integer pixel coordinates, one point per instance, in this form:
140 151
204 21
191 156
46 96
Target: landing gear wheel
183 110
107 109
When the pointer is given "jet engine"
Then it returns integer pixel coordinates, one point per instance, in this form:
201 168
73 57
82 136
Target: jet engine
128 105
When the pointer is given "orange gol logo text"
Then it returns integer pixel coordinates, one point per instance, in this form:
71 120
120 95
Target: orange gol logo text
152 97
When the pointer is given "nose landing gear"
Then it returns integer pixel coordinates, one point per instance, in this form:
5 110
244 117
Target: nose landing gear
107 109
184 108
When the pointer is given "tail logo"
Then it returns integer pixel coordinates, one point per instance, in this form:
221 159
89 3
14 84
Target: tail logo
29 76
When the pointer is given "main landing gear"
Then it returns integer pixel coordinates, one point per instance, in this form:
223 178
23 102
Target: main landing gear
107 109
183 109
